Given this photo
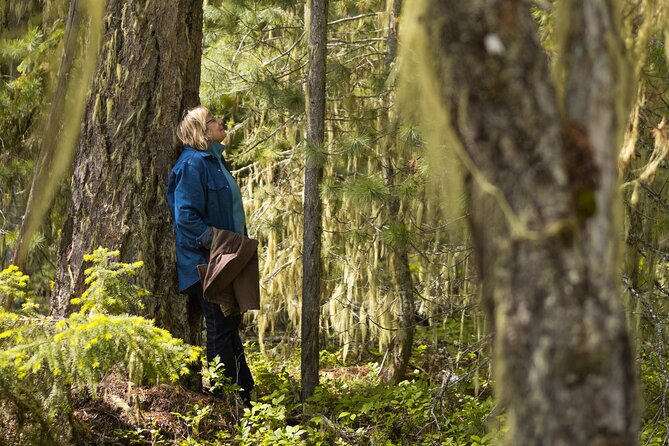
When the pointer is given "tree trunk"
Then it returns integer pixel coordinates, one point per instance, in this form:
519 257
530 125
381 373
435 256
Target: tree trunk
313 207
45 179
564 365
148 73
17 14
400 347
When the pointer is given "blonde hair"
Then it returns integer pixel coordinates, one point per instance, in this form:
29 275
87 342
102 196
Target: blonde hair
193 128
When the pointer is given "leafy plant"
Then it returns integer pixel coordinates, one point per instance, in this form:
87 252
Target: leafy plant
194 417
265 424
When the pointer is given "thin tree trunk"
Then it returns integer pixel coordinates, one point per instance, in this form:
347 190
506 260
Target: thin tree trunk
148 72
402 344
313 207
15 17
564 367
44 184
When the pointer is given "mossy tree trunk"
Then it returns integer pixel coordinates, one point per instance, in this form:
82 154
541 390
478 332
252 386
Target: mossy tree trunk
313 207
564 363
148 72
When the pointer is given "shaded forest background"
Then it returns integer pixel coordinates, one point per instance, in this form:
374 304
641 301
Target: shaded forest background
392 199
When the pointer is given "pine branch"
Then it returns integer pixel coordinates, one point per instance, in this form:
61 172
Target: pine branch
357 17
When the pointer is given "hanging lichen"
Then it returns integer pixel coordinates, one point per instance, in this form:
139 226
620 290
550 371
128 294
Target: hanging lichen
252 82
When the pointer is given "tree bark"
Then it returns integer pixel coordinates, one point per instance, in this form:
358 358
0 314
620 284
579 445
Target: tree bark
313 207
147 74
564 369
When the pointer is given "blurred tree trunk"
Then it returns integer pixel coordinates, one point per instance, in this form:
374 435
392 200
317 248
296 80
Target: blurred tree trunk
16 15
400 347
317 11
148 72
17 19
41 196
564 364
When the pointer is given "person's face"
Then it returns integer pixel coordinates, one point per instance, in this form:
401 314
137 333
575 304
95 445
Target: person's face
215 128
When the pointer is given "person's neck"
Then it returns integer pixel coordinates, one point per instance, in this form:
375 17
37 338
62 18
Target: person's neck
216 146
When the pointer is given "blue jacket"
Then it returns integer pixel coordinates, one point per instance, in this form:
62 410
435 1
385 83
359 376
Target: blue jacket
199 198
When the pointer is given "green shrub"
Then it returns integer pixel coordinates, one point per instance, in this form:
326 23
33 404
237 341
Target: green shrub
12 285
45 361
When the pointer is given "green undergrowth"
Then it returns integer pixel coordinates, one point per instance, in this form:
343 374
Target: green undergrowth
353 407
350 407
49 365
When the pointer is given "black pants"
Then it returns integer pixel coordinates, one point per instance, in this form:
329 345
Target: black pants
223 341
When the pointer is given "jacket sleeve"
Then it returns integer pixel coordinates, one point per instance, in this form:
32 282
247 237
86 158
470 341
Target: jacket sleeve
190 196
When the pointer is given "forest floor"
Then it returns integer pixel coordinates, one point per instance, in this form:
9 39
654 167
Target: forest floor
437 404
123 414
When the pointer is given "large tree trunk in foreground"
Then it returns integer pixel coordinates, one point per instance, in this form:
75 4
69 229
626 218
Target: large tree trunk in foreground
564 365
313 207
148 72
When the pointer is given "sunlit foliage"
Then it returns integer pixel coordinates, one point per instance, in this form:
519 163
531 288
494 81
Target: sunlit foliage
45 362
254 73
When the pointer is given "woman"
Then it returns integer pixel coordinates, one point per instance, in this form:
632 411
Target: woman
203 194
